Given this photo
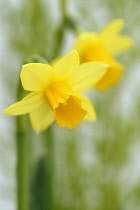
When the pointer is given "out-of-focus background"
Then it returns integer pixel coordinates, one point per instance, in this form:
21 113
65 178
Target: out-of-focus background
96 165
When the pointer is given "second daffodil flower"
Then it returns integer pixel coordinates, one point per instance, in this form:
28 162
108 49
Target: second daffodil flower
56 92
103 47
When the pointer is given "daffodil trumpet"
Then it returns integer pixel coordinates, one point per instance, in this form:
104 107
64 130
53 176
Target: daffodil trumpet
56 92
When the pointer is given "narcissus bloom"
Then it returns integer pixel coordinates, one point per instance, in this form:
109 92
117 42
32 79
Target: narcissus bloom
103 47
56 92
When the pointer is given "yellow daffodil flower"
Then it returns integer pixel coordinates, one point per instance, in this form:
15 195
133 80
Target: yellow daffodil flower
103 47
56 92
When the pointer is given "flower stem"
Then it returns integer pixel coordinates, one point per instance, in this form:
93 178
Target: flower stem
60 31
47 140
22 160
22 164
63 7
68 21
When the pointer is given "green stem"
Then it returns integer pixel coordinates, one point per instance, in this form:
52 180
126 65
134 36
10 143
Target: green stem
68 21
63 7
60 31
47 140
22 160
71 23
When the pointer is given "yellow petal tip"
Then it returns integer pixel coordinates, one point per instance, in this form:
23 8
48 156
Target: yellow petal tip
107 65
6 112
3 112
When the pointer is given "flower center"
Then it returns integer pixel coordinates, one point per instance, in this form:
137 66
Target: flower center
65 104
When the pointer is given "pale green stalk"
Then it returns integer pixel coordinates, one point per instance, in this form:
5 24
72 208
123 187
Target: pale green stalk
68 21
63 6
48 143
60 30
22 159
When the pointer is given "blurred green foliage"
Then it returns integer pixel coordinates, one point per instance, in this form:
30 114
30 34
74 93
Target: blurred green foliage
96 166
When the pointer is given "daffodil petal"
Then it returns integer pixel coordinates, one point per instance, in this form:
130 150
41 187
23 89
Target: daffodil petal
113 41
84 41
55 61
66 65
113 75
91 114
112 29
86 76
122 44
42 117
28 103
36 76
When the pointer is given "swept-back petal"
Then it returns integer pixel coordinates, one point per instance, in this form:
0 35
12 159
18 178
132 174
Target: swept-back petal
42 117
36 76
112 40
113 75
66 65
87 76
84 41
27 104
91 114
111 30
122 44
